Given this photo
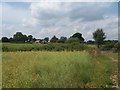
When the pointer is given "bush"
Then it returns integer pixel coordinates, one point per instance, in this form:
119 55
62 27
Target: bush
72 40
109 45
58 48
4 48
48 47
44 47
116 47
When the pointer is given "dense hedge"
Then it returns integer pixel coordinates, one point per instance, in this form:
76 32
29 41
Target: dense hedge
114 46
43 47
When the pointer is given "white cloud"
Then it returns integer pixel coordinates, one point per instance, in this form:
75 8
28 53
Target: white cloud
61 19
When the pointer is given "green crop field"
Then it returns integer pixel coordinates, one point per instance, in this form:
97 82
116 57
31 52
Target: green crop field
65 69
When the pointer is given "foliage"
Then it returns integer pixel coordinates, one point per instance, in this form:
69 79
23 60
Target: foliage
46 39
54 39
111 45
11 39
55 70
79 36
19 37
43 47
5 39
62 39
30 37
116 47
99 36
72 40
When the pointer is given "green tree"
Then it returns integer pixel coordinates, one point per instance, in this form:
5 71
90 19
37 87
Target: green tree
30 37
11 39
79 36
99 37
54 39
72 40
19 37
117 47
5 39
46 39
62 39
24 38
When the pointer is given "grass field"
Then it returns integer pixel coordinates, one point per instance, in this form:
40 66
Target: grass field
56 70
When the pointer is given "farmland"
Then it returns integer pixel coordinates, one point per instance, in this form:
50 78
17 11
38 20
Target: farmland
53 69
59 44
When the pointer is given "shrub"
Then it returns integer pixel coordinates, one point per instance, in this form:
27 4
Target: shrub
48 47
44 47
58 48
116 47
4 48
108 46
72 40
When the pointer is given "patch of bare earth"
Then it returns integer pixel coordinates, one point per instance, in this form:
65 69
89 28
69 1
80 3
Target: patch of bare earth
114 77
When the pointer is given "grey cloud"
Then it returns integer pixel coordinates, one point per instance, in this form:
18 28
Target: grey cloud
49 14
74 11
64 19
89 11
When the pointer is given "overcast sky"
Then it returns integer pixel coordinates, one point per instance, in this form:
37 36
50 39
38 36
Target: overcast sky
45 19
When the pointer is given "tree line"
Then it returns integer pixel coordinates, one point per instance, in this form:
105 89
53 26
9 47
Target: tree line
99 37
21 38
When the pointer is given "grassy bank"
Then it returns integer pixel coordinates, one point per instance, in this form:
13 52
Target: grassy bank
56 70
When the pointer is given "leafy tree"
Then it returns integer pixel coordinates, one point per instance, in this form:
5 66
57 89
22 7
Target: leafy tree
72 40
54 39
99 37
110 45
79 36
62 39
19 37
117 46
24 38
46 39
5 39
11 39
30 37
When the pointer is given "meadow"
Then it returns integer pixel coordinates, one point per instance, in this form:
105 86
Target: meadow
53 69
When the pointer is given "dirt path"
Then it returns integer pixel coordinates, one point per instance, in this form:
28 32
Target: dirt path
114 76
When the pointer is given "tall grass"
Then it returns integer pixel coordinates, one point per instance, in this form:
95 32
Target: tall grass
55 70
